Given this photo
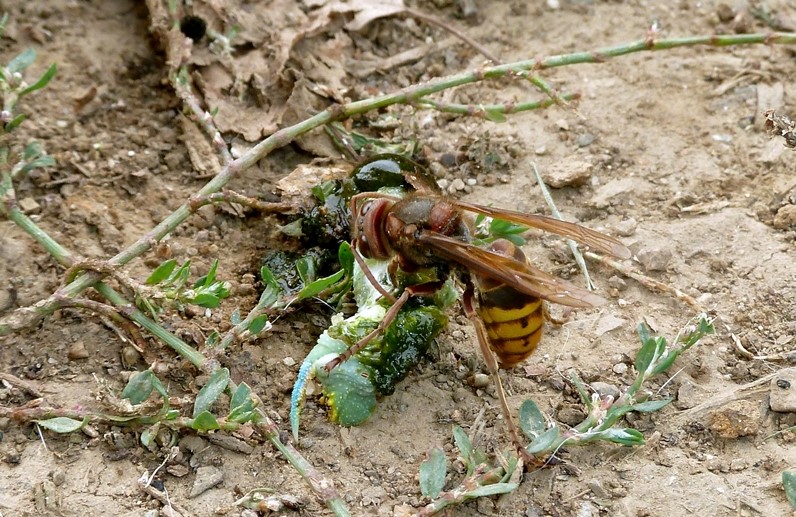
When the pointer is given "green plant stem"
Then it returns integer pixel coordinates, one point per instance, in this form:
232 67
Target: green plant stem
483 110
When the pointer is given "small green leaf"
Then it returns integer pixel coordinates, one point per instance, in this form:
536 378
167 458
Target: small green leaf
212 339
32 150
582 391
432 473
180 277
241 416
209 278
532 421
160 389
62 424
494 116
346 258
139 387
650 405
14 122
543 442
789 483
207 300
493 489
209 393
22 61
161 272
624 436
205 421
242 394
42 82
319 285
267 277
258 324
306 270
463 443
649 348
148 435
41 161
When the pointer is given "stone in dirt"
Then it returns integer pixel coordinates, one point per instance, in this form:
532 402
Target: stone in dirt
206 478
568 173
654 259
782 393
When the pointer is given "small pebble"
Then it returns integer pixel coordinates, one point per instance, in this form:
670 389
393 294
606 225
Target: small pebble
130 356
626 227
782 391
617 283
785 218
571 415
456 185
443 184
289 361
59 476
597 488
28 205
568 173
725 13
480 380
77 351
654 259
178 470
605 390
562 124
620 368
540 151
585 140
206 478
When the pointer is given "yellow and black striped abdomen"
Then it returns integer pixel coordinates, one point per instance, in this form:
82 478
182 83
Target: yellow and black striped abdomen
514 321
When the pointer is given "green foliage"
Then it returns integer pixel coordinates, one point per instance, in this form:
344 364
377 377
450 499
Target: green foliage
362 144
483 478
432 473
43 81
171 281
62 424
141 385
487 230
789 483
532 421
215 386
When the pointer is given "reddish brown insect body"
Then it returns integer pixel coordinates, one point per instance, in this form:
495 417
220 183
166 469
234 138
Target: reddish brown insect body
423 230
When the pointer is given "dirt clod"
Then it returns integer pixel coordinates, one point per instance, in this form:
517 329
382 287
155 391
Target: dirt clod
736 419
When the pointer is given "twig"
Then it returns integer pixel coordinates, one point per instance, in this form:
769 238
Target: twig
756 387
230 196
573 246
649 283
162 497
182 88
21 384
